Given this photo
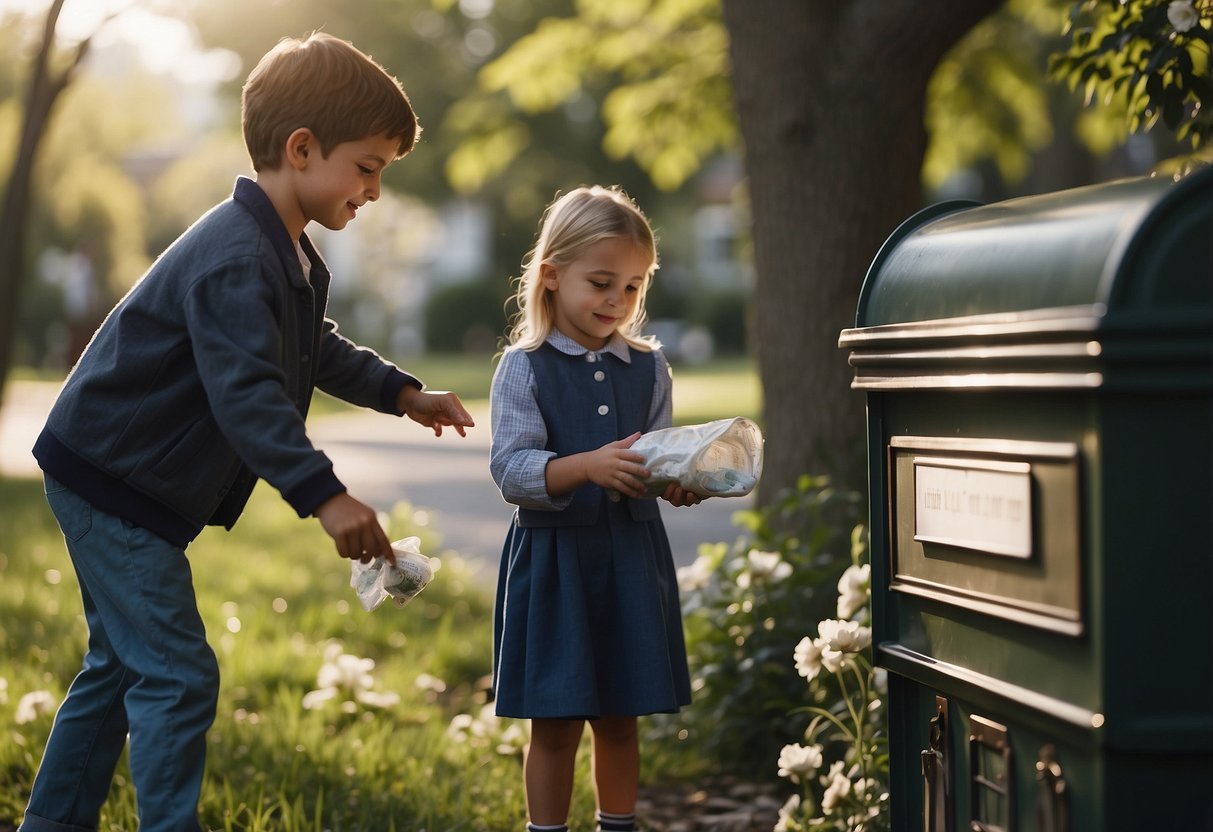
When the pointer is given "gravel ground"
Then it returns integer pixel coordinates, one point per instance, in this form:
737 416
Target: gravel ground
721 805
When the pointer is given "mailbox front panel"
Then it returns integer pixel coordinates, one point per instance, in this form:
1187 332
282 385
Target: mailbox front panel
985 567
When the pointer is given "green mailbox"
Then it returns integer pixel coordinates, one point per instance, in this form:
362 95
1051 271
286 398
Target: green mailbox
1039 382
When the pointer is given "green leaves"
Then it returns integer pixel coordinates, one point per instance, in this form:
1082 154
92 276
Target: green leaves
656 70
1152 55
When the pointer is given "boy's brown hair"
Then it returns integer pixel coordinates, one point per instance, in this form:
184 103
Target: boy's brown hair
327 85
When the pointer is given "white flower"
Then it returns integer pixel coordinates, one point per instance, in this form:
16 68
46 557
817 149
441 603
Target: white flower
1182 15
429 682
808 658
316 698
459 728
854 588
844 636
763 567
377 698
799 762
513 740
486 730
33 705
695 576
787 813
840 787
347 673
347 676
839 639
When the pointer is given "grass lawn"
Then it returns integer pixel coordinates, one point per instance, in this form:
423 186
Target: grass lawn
276 599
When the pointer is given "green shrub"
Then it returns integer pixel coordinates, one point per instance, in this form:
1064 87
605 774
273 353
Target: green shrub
466 317
745 608
724 313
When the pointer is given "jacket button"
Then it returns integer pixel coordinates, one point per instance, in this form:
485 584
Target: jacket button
603 410
599 376
305 358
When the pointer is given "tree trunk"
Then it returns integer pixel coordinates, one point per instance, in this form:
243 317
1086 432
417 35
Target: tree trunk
830 97
44 88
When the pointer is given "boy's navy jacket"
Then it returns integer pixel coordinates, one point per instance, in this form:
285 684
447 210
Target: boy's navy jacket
198 381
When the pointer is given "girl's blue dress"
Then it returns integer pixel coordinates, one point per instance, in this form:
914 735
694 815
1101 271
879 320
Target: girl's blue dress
588 621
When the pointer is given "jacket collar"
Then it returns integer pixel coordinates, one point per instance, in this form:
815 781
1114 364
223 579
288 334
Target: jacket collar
249 194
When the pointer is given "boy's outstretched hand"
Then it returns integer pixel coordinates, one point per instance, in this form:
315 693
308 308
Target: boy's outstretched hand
354 528
434 409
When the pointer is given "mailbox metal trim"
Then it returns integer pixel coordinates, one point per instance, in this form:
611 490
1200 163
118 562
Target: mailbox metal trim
913 572
981 352
993 735
942 675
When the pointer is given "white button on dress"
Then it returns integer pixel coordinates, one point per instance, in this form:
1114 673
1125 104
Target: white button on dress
603 410
599 375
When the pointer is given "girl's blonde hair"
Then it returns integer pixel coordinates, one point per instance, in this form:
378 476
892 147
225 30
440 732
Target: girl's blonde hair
570 225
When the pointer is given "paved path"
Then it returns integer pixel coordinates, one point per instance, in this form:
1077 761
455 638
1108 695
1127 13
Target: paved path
384 460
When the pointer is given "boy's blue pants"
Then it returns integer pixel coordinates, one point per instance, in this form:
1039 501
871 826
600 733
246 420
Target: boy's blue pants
149 671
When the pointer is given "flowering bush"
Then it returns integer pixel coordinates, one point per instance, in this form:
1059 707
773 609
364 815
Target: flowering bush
847 727
744 610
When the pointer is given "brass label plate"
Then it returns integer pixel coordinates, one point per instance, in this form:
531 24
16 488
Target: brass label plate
971 503
991 525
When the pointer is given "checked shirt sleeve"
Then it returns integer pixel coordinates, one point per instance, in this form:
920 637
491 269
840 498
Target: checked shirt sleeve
517 456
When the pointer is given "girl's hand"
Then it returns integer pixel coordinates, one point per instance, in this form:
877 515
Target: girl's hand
434 409
676 495
611 466
614 466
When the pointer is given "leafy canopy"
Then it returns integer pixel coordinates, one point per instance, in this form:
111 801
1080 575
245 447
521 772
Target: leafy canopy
1149 56
668 104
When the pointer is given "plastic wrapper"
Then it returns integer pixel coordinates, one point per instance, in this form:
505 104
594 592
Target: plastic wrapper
379 580
716 459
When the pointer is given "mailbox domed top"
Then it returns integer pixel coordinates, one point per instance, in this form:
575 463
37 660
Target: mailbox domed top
1123 247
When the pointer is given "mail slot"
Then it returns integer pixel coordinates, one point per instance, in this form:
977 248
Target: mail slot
1039 384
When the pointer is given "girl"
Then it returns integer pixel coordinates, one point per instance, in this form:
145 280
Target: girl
587 624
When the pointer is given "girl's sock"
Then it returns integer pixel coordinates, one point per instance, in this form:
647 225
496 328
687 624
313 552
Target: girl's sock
609 822
535 827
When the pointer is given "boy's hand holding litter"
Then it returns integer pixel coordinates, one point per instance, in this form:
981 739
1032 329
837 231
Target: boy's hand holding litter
434 409
354 528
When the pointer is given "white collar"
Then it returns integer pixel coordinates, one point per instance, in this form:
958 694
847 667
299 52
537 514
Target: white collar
617 346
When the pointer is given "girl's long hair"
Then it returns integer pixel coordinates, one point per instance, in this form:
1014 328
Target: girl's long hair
570 225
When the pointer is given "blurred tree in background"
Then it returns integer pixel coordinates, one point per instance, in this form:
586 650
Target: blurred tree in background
49 76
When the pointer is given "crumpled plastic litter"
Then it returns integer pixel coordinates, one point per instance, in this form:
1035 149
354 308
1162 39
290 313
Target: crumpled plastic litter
722 458
379 580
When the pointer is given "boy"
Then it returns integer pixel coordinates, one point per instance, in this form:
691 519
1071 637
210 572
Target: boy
195 386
